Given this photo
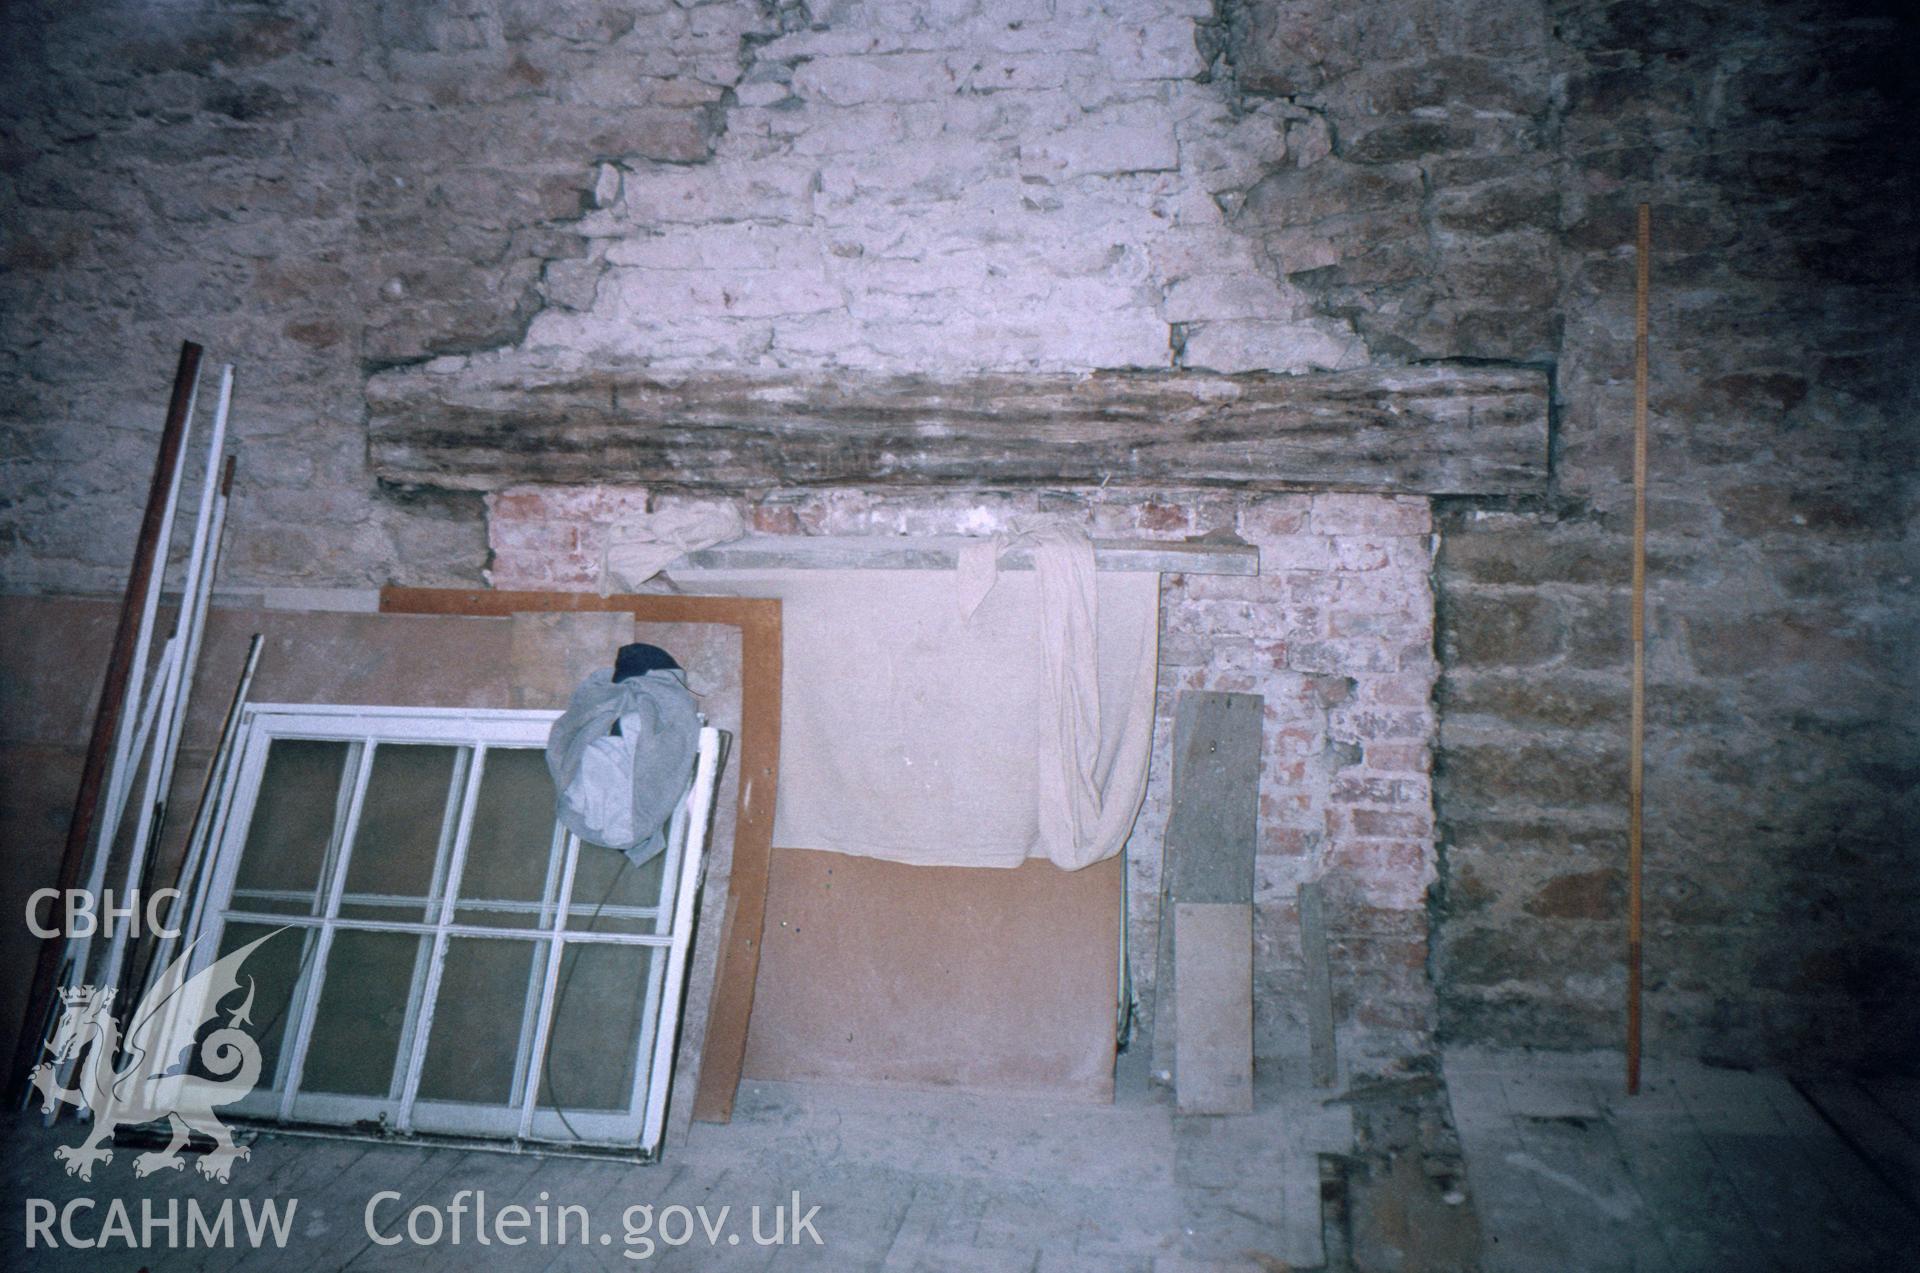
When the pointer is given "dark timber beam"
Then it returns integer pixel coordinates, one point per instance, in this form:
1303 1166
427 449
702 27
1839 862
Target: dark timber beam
1430 430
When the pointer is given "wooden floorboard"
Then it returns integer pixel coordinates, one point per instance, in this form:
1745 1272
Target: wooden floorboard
1705 1170
1602 1208
1868 1125
1900 1098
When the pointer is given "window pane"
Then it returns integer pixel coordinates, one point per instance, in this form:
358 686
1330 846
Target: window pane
598 1008
272 971
506 881
612 895
480 1021
403 822
364 1006
280 868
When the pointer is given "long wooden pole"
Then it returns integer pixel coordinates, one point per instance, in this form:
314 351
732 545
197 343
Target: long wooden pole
1636 745
106 720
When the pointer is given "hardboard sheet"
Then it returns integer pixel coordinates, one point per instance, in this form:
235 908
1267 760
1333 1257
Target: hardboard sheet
937 976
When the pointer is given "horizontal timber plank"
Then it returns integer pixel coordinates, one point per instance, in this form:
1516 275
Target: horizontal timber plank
887 552
1432 429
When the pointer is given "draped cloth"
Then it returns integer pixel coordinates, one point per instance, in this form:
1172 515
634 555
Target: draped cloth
620 789
970 718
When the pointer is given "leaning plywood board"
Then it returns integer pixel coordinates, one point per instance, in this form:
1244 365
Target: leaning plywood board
756 759
1211 833
553 653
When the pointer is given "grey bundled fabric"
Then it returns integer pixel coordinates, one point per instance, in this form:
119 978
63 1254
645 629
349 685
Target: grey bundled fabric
620 790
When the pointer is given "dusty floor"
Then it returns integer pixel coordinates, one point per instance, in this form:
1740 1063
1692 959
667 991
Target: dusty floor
1705 1169
1505 1162
903 1181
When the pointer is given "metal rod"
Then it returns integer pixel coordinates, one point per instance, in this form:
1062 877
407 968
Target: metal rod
203 816
121 779
79 952
106 721
178 685
1637 742
123 754
137 972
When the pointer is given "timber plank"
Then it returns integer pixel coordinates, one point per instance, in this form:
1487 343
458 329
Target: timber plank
1212 832
1438 429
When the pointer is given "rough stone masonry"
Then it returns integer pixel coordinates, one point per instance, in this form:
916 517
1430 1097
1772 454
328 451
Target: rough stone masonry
337 195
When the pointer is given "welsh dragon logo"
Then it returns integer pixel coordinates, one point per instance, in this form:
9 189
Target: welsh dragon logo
155 1081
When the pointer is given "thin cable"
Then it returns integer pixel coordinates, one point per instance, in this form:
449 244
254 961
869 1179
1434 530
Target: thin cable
560 999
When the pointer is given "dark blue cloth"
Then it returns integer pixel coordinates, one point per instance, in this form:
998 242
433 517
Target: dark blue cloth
639 659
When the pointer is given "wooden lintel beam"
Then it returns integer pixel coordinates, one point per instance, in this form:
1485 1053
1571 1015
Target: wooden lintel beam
1433 430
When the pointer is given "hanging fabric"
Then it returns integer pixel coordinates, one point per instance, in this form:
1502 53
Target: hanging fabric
971 718
643 546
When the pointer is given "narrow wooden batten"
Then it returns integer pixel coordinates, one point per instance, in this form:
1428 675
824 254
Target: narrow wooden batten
873 552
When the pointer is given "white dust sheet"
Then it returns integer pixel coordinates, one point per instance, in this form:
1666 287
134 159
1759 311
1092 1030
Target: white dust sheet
913 733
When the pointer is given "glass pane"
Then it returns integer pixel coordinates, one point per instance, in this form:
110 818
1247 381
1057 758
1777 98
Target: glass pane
364 1008
599 1007
403 825
481 1021
280 868
271 971
612 895
506 880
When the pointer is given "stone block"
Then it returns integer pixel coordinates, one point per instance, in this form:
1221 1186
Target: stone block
1534 773
1101 150
1263 345
1161 49
1597 894
1370 515
1213 1027
1505 629
854 81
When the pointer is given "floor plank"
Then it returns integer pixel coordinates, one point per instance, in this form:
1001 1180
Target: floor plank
1869 1127
903 1179
1704 1170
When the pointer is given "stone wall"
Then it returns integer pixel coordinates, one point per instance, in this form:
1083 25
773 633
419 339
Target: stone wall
1774 143
323 190
1336 634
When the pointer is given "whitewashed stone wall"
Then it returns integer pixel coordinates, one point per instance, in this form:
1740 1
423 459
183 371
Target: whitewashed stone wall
954 186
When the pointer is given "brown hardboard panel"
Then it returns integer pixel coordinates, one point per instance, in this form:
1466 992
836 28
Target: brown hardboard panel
757 761
965 977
